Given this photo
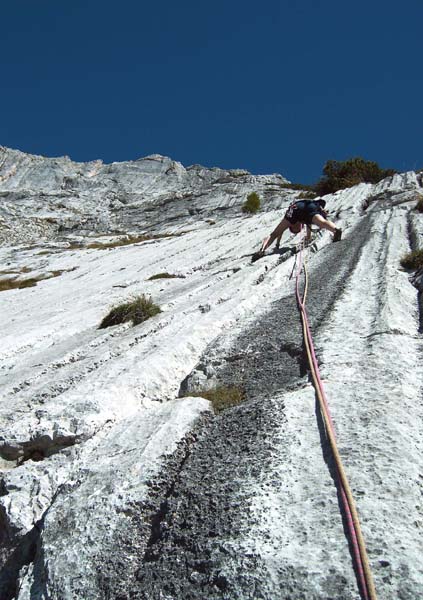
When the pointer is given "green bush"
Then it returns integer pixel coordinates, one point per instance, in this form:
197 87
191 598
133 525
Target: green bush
137 310
252 204
343 174
413 260
221 397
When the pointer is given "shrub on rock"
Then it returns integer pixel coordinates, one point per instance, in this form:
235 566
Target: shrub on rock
137 310
413 260
252 204
338 175
221 397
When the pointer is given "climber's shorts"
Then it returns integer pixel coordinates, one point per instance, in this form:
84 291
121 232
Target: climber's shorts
303 212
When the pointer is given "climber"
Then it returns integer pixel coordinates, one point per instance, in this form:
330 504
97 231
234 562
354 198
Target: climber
302 212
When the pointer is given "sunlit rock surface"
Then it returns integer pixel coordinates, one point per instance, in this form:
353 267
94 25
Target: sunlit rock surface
52 197
117 479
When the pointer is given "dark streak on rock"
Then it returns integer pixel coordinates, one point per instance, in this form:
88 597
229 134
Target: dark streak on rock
36 449
207 511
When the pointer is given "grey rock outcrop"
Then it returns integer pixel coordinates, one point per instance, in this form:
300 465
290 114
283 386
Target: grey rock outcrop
117 478
47 197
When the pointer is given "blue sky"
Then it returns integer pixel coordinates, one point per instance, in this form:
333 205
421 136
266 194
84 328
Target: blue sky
269 86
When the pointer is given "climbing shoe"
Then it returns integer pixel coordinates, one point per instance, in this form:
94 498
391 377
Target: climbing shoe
337 235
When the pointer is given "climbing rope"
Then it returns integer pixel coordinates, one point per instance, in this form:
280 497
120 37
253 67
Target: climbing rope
364 574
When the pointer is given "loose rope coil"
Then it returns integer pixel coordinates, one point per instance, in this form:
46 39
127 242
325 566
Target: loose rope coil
364 574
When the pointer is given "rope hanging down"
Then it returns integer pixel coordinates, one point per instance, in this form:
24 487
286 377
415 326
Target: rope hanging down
361 560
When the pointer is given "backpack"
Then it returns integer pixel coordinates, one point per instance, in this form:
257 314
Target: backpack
294 205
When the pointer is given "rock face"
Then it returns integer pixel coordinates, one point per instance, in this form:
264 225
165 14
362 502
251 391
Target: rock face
52 197
117 478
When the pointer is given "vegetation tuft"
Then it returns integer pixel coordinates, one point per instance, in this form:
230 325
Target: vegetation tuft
413 260
338 175
252 204
221 397
306 195
137 310
165 276
124 241
419 205
19 284
16 284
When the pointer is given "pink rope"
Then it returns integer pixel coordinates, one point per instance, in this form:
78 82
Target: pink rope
350 523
